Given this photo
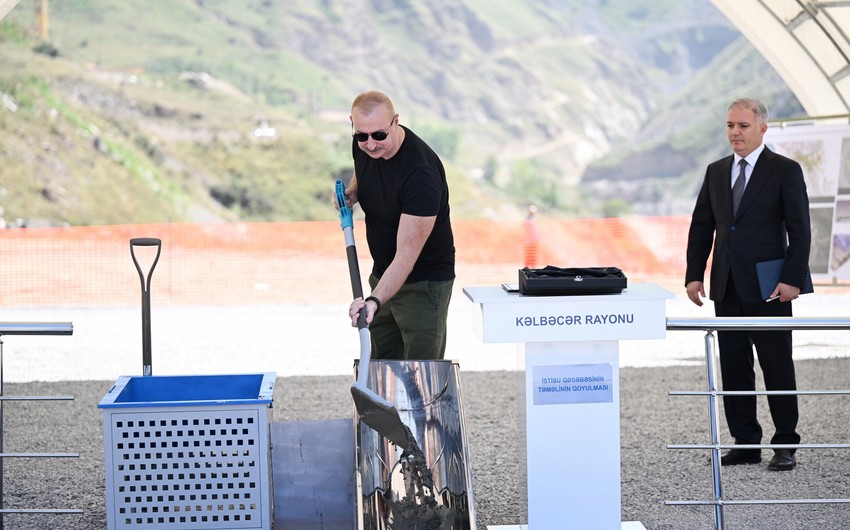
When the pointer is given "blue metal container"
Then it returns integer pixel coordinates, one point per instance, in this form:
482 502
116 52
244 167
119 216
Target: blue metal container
194 390
189 452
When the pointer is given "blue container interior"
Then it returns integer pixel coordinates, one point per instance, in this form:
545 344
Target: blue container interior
189 390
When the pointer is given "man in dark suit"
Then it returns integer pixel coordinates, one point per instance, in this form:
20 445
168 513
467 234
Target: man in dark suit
764 217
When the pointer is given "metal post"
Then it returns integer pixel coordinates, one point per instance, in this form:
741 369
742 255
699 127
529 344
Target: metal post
715 430
1 431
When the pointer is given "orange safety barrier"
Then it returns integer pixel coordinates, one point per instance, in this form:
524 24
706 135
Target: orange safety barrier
302 262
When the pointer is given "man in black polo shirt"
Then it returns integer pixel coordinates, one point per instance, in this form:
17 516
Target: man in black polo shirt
401 186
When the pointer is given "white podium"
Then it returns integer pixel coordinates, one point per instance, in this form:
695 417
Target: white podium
572 394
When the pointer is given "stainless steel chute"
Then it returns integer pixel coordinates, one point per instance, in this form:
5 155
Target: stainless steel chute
428 487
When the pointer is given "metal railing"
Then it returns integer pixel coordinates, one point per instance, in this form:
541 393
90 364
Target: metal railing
29 328
710 325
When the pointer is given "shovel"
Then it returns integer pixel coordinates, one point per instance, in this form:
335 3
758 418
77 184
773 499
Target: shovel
146 297
375 411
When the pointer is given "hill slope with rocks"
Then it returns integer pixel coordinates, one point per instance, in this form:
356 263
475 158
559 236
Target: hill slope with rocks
202 110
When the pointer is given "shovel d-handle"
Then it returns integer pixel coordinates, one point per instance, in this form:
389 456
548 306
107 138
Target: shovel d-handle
346 217
146 296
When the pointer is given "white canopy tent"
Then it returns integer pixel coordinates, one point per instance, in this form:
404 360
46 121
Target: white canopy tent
806 41
6 6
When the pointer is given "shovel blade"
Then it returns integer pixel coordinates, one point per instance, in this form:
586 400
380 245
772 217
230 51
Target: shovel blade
380 414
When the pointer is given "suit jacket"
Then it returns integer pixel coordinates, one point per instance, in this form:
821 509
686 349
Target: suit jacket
772 222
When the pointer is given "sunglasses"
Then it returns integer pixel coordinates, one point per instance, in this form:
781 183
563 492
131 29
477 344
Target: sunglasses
378 136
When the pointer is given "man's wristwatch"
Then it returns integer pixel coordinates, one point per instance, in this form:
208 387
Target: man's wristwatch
377 302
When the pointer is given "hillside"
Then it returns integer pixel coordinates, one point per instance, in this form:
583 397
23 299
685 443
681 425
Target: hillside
149 111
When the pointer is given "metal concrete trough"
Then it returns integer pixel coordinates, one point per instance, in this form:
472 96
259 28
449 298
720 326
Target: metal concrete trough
429 487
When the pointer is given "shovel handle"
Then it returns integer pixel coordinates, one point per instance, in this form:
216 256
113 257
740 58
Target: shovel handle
146 296
356 288
346 221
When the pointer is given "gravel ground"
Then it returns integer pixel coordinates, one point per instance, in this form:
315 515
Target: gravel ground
651 473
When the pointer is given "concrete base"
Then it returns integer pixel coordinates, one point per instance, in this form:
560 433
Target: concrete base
631 525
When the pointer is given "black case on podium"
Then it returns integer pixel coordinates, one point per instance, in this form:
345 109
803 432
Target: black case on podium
557 281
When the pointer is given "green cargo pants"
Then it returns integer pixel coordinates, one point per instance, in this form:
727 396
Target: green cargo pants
412 324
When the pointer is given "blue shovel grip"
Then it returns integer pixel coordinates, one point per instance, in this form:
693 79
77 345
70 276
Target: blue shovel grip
346 220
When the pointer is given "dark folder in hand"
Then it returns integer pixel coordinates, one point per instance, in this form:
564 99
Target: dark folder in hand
769 273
